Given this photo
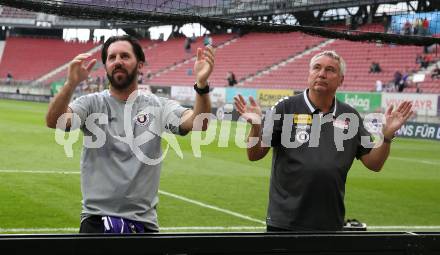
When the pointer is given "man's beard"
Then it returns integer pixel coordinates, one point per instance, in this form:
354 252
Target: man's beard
124 82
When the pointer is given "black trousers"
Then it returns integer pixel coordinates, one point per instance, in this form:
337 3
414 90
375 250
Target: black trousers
95 225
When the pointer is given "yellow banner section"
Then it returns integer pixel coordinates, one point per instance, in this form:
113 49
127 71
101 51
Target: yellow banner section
269 97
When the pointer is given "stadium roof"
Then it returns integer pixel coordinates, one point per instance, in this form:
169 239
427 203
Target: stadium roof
232 9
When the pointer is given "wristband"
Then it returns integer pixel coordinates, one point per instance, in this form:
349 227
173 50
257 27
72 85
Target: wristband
200 91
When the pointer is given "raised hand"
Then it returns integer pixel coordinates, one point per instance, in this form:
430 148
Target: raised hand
395 119
251 113
204 65
79 70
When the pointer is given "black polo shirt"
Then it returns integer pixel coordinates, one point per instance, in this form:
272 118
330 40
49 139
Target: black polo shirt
312 153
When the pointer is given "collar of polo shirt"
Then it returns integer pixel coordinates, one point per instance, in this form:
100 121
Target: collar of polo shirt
312 108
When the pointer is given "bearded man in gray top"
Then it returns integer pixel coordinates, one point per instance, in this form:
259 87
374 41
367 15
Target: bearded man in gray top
120 162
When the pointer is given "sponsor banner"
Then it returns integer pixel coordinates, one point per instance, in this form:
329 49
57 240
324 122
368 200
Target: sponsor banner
362 102
25 97
218 96
186 95
269 97
161 91
423 104
420 130
245 92
183 94
55 87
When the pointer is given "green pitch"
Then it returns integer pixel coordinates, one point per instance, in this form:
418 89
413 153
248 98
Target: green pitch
219 191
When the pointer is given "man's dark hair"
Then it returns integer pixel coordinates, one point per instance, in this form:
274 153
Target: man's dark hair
137 48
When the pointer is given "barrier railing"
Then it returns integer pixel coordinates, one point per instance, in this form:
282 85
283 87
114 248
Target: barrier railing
226 243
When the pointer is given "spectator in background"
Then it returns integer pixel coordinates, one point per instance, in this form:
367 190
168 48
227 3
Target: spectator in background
425 26
187 45
375 68
407 78
230 77
9 78
404 82
140 77
149 74
426 49
407 27
379 86
423 63
435 74
207 40
397 79
417 26
427 59
419 60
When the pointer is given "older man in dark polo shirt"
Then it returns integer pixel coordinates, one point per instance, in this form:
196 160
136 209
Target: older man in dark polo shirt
315 139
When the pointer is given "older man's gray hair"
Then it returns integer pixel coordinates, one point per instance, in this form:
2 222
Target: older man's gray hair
333 55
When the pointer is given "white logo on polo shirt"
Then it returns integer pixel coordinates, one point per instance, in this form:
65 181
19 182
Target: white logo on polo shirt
302 136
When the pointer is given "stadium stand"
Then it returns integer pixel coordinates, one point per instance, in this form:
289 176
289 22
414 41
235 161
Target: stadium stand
31 58
164 56
172 52
259 60
60 73
358 61
98 70
358 57
245 56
